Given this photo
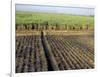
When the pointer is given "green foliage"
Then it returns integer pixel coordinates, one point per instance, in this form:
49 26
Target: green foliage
51 19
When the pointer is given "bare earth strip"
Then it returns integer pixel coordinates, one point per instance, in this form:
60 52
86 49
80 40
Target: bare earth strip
51 32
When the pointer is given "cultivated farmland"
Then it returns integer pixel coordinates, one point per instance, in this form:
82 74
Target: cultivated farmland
53 42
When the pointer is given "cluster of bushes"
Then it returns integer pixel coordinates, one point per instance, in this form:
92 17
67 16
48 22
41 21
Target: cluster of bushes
36 26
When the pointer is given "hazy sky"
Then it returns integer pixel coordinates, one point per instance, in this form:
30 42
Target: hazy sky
55 9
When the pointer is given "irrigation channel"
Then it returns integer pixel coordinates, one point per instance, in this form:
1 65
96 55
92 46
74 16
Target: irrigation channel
50 68
52 65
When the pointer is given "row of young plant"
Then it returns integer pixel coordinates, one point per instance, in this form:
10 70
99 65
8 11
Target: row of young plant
30 56
70 54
